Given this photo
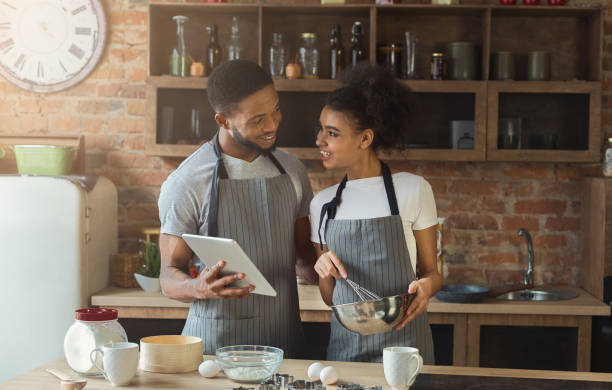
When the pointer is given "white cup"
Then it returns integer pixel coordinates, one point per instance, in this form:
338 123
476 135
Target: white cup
401 365
120 362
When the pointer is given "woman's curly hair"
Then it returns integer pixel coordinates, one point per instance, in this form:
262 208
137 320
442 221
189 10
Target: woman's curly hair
375 99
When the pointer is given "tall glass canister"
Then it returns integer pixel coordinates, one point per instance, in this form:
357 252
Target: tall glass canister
309 56
234 46
179 58
279 55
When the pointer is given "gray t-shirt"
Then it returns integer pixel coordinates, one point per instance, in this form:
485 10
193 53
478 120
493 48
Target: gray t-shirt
185 195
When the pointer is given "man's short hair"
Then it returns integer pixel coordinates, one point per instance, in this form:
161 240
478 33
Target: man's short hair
232 81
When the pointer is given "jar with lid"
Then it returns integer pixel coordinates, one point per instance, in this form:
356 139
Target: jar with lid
279 55
309 56
607 160
91 329
437 66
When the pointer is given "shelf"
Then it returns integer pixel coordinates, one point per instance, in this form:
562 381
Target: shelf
544 10
568 111
545 86
520 29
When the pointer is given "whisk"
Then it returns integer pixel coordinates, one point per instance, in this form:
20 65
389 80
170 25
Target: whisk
362 293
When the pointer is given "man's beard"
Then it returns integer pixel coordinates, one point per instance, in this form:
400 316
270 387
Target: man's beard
248 144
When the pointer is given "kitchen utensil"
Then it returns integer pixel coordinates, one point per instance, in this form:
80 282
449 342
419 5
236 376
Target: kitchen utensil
461 60
544 141
401 366
373 317
503 68
390 56
44 159
170 353
166 132
410 40
91 329
461 293
249 363
67 382
462 134
538 66
509 133
362 293
120 362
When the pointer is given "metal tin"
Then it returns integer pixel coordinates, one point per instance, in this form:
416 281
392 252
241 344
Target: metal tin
437 66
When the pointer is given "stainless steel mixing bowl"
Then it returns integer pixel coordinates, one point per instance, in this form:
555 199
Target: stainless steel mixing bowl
372 317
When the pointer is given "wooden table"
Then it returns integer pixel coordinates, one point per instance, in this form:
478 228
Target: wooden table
466 319
365 373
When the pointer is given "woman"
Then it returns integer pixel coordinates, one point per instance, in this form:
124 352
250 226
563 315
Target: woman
376 228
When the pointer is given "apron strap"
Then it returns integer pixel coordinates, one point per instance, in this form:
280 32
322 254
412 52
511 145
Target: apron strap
389 189
276 163
221 173
331 207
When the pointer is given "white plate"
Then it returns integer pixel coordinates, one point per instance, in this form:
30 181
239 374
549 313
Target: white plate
212 249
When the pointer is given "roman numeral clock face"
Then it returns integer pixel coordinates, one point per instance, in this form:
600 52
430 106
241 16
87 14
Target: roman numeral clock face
50 45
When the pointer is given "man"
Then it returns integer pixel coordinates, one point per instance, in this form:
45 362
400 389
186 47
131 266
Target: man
237 186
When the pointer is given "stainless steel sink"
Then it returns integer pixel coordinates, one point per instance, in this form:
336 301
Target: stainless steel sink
542 293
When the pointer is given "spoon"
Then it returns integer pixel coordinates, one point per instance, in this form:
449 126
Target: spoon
68 383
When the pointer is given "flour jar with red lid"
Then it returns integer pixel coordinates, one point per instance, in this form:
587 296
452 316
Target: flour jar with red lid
91 329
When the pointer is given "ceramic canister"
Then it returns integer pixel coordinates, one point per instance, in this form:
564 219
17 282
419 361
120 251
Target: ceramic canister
461 60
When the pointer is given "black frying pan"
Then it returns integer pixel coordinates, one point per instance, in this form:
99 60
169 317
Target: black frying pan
466 293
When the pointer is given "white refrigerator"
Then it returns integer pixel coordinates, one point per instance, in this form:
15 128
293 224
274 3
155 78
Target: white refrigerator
56 237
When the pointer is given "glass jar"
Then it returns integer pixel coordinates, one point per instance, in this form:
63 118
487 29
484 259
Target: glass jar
390 56
607 160
180 62
92 329
309 56
234 47
278 56
437 66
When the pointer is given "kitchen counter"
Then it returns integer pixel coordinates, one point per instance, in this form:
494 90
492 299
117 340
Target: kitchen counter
136 303
466 319
431 378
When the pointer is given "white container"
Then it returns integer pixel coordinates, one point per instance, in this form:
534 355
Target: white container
607 160
147 283
91 329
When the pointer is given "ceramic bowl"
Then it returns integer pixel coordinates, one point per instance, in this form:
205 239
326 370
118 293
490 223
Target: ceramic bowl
147 283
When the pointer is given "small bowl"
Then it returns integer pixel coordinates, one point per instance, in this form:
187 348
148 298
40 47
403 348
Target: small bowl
249 363
147 283
170 354
373 317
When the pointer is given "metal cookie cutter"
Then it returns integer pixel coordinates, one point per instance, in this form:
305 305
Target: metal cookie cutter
305 385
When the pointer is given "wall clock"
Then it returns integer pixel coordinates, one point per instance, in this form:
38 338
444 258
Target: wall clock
50 45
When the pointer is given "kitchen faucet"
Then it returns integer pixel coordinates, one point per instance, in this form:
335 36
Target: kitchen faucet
528 278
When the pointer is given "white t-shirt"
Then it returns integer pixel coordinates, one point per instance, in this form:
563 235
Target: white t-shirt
367 199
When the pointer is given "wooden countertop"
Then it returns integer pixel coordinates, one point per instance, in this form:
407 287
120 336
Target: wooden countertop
311 302
370 374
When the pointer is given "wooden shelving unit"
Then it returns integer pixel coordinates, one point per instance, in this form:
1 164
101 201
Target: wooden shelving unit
520 29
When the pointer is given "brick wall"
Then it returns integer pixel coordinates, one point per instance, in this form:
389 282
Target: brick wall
484 203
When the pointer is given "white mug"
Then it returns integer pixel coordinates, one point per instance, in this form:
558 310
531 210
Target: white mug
401 366
120 362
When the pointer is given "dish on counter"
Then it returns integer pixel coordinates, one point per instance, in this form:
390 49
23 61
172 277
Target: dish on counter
249 363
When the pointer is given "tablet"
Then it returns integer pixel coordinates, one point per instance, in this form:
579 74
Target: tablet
212 249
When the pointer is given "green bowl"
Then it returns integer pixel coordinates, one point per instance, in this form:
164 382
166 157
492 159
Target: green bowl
44 159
